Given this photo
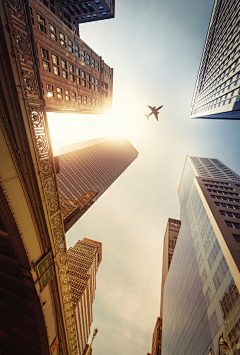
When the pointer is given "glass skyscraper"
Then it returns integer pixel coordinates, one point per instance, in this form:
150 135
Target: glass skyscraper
216 94
201 293
86 169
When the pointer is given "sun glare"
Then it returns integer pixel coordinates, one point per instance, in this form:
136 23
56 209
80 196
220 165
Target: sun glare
71 128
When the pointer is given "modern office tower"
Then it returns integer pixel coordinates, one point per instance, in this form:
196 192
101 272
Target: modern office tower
216 94
201 293
83 261
169 242
74 78
86 169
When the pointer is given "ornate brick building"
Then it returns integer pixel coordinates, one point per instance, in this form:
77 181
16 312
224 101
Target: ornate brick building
74 78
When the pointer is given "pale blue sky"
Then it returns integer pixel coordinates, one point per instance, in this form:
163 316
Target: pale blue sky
155 48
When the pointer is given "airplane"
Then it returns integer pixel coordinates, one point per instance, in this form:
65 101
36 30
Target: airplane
155 111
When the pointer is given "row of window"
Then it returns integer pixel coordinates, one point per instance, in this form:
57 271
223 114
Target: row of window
227 205
233 224
216 182
230 214
220 187
223 192
71 97
68 43
226 198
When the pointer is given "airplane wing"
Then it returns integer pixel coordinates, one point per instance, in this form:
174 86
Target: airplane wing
151 108
156 115
150 114
159 107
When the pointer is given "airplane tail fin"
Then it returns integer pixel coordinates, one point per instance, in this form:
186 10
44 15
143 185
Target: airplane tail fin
147 116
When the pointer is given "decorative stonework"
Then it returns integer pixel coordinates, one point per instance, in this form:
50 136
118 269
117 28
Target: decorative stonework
27 68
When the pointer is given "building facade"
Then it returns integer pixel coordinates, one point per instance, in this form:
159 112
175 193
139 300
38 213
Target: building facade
86 169
74 78
216 94
157 337
201 293
83 260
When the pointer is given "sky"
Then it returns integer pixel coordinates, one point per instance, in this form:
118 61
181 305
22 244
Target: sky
155 48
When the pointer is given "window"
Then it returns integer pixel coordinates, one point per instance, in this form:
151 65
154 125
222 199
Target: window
41 23
93 63
83 55
44 53
97 66
80 98
85 100
64 64
70 45
78 80
55 70
77 51
67 95
93 80
93 87
78 71
104 72
90 101
88 77
107 74
64 74
59 90
59 96
83 74
94 102
88 59
97 88
54 59
236 237
105 94
45 3
89 85
71 77
100 7
83 82
50 92
105 86
97 103
71 68
74 96
62 39
97 82
104 13
52 32
46 66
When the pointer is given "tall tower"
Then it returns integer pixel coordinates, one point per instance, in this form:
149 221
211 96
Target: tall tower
216 94
83 261
201 293
169 242
75 79
86 169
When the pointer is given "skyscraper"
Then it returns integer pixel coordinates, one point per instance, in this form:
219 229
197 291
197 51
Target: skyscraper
83 261
201 293
216 94
75 79
86 169
169 242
